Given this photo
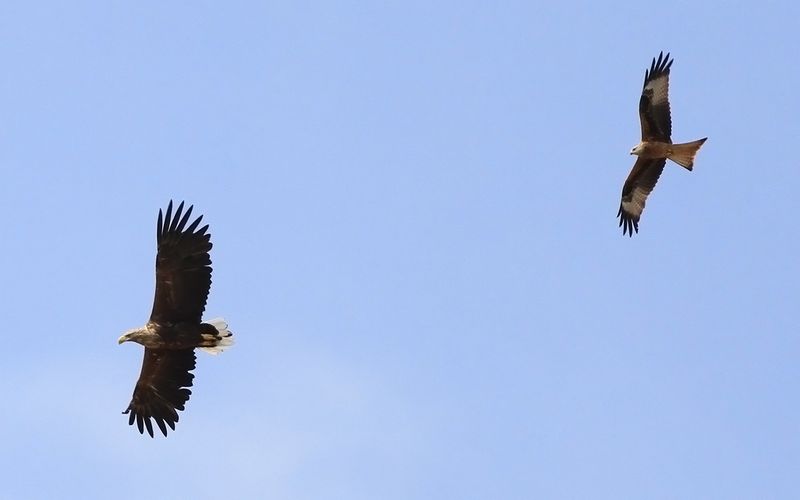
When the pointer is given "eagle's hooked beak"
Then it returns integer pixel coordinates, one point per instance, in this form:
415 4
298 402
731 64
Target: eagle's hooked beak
122 339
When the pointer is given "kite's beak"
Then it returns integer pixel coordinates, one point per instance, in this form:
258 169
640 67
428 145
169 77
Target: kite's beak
122 339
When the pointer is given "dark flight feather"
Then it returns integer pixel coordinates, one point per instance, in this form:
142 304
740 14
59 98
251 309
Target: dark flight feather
654 112
162 389
638 185
183 268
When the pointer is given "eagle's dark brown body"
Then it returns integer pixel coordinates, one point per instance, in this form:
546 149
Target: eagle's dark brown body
177 336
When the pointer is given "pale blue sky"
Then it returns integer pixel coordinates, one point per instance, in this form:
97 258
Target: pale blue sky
413 214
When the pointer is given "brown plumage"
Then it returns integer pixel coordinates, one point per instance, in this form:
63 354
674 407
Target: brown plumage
655 147
175 329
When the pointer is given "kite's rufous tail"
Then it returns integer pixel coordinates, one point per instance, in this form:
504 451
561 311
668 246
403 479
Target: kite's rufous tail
683 154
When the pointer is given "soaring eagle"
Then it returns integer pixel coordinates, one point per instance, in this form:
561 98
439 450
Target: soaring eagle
175 329
656 145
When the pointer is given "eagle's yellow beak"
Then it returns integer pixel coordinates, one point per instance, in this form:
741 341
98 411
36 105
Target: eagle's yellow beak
122 339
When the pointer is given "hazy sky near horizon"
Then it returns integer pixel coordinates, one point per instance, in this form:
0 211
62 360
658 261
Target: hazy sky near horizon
412 206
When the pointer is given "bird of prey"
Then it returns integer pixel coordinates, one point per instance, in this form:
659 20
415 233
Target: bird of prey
175 329
656 145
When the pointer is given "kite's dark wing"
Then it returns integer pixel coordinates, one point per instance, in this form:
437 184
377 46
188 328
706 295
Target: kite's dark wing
654 103
640 182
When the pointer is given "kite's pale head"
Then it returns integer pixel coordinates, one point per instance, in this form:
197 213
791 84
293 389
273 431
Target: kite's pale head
637 149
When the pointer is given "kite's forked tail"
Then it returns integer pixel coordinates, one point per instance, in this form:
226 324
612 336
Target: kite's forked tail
683 154
222 340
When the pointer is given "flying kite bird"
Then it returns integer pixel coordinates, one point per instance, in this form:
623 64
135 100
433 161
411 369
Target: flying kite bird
175 329
656 145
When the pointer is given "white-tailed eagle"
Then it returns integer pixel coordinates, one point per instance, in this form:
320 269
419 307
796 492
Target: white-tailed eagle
175 329
656 145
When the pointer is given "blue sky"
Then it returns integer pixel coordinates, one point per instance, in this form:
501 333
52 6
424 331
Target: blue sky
413 214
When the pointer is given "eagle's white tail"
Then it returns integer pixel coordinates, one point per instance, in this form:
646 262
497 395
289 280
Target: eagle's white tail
226 337
683 154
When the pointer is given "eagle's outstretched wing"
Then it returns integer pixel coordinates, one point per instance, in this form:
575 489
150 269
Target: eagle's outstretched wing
162 388
183 268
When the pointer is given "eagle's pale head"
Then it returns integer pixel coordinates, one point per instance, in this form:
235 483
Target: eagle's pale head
637 149
135 335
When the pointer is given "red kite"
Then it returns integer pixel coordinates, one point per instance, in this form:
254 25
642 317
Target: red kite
175 329
656 145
